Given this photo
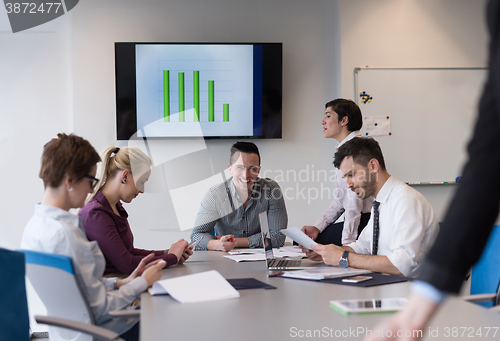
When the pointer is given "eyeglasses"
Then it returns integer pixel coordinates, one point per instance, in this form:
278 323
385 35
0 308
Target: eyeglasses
94 181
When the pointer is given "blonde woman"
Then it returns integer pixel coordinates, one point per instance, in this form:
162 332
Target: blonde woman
68 172
122 174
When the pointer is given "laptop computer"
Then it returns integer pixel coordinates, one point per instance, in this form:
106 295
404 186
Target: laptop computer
273 263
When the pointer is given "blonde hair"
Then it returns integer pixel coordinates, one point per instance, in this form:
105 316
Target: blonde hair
131 159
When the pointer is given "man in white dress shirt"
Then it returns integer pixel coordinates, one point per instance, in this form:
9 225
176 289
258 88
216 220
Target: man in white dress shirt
402 226
342 122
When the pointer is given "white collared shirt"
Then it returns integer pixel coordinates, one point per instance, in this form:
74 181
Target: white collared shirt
53 230
408 227
345 201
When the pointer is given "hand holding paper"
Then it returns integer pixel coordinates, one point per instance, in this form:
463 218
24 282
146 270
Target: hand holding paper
300 237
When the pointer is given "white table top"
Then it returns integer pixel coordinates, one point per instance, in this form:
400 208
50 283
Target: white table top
295 309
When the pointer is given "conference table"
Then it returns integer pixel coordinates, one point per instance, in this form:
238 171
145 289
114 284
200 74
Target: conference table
297 309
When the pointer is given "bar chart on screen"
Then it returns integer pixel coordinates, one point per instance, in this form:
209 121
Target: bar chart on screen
195 90
208 96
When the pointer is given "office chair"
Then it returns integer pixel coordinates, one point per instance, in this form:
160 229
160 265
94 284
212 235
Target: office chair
14 324
485 277
53 279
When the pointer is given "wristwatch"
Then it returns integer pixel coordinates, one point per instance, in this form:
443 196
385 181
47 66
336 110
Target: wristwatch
343 260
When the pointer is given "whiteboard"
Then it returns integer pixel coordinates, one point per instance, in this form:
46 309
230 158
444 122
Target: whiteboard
432 114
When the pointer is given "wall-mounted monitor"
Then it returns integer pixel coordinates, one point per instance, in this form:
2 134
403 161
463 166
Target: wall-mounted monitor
187 90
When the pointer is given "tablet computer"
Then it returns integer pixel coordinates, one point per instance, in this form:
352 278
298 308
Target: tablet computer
369 306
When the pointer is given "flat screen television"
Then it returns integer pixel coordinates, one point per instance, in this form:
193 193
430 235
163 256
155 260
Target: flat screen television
188 90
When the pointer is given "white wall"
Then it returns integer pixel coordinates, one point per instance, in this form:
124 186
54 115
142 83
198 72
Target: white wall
35 104
413 33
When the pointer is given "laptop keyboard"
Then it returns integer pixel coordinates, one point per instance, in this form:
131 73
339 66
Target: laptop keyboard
282 263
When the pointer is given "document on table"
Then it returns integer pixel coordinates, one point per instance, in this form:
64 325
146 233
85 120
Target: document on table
285 250
324 273
199 287
247 258
291 248
238 257
289 254
245 251
300 237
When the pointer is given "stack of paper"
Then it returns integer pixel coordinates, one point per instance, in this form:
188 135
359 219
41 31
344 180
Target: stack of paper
257 256
289 253
324 273
245 251
247 257
200 287
291 248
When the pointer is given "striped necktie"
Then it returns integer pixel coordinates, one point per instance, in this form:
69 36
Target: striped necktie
376 227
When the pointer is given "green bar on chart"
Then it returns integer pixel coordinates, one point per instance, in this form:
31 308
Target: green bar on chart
196 95
181 97
211 110
166 96
226 112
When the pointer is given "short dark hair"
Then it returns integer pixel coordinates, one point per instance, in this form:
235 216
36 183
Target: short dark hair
346 107
362 150
243 147
66 155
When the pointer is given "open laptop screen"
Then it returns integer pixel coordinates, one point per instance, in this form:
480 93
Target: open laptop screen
266 237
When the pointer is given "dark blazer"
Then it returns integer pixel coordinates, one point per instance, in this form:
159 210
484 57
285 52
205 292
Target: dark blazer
475 207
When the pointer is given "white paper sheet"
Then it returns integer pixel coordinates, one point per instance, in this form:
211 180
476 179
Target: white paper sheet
258 256
247 258
288 254
376 126
291 248
245 251
324 272
199 287
300 237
